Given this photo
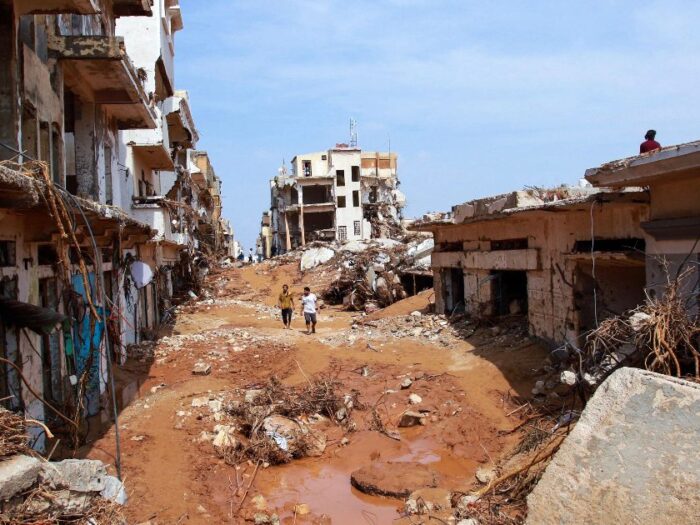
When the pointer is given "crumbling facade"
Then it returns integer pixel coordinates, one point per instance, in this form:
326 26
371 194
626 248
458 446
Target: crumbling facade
100 211
672 230
566 258
342 194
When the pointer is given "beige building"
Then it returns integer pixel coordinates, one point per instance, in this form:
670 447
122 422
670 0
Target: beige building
672 230
538 253
340 194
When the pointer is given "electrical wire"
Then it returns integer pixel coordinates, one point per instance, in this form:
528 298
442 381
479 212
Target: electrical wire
595 282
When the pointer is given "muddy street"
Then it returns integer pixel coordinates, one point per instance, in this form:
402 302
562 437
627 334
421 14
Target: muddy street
175 474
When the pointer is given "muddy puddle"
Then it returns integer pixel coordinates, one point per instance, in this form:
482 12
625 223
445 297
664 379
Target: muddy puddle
324 483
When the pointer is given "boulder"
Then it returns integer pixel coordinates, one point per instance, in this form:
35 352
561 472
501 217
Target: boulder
568 377
294 437
415 399
430 500
225 440
412 419
633 456
485 475
396 480
201 369
406 383
18 474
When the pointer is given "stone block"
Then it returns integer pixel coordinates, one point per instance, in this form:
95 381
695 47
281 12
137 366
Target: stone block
18 474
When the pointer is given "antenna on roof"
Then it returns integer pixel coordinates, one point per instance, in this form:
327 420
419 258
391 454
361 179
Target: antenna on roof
353 133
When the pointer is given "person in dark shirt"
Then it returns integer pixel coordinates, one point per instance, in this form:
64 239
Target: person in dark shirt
649 144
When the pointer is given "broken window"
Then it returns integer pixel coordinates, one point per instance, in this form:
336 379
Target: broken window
357 228
8 255
340 177
509 290
341 201
10 387
47 255
356 174
306 166
108 175
342 233
356 199
324 157
509 244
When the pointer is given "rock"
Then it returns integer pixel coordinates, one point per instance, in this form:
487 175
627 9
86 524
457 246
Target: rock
469 521
417 332
301 509
485 475
635 447
464 502
215 406
114 490
201 509
225 440
18 474
568 377
252 395
412 419
396 480
416 314
314 257
264 519
637 320
345 441
406 383
198 402
201 369
415 399
157 387
429 500
77 475
294 437
259 502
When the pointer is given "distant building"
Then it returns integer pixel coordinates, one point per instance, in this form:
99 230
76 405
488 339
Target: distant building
341 194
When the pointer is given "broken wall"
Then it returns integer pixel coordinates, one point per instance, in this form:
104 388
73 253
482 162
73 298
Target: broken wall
548 260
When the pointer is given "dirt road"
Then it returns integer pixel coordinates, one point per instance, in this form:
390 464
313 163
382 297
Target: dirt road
173 473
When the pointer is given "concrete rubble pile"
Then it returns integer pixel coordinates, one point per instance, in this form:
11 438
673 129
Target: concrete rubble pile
364 275
76 491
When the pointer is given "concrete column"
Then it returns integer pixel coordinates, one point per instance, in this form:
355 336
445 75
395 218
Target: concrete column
85 149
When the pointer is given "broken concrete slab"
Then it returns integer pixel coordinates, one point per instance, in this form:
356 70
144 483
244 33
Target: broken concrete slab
633 457
17 474
396 480
77 475
315 257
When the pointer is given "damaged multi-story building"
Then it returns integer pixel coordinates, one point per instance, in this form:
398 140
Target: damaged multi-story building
566 258
340 194
100 197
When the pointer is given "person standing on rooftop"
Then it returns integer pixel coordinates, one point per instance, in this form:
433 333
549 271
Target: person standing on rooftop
649 144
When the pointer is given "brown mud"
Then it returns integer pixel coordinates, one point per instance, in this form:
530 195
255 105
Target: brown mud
173 477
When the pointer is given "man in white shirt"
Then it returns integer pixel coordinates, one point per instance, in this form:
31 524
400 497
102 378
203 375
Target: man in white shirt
308 305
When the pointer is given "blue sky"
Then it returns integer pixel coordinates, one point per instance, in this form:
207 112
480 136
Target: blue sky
477 98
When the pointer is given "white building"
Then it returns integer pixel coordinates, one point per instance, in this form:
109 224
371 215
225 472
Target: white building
341 194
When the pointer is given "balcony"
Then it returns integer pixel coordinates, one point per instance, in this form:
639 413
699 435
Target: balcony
181 126
98 69
325 180
47 7
132 8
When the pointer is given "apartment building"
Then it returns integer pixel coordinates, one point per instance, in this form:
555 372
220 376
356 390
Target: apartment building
341 194
98 203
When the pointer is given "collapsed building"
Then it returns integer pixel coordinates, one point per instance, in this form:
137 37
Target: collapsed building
342 194
105 208
544 254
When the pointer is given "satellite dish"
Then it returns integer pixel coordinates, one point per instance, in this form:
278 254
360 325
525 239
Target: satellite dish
141 273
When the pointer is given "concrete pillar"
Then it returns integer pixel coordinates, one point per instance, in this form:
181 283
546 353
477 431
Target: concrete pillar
85 149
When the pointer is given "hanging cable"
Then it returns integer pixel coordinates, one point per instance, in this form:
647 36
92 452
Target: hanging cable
595 282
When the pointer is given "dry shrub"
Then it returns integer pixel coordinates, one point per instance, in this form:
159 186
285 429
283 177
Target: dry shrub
13 434
663 333
317 396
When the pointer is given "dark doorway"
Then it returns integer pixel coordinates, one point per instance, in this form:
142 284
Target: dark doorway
509 292
415 283
453 290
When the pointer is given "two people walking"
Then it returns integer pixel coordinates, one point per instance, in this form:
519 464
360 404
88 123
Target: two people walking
285 303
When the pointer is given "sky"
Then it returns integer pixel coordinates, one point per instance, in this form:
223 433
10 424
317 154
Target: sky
476 98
